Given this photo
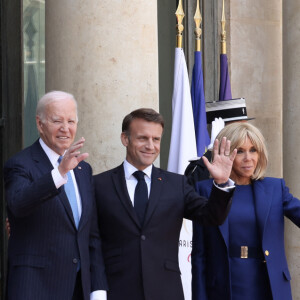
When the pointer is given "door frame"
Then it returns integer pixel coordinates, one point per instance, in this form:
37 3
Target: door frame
11 108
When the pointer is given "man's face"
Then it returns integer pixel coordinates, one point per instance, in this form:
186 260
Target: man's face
143 143
58 130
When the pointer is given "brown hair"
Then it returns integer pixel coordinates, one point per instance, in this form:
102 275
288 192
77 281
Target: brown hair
147 114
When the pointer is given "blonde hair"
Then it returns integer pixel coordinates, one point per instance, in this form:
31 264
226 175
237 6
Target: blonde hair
237 133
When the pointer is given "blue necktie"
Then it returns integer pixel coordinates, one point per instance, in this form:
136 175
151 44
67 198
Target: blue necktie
140 195
70 191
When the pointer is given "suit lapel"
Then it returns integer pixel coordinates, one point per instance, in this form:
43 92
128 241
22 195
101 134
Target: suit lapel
157 181
65 201
40 157
224 229
262 201
44 165
79 175
118 177
263 195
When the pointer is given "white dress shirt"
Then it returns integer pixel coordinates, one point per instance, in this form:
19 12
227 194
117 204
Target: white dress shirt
57 178
131 181
59 181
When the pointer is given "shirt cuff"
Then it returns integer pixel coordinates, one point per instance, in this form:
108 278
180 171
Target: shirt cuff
98 295
58 179
230 186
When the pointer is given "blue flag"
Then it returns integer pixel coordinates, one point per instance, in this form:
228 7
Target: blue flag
198 101
225 89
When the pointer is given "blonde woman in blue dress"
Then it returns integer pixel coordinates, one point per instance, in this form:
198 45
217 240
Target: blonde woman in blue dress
245 258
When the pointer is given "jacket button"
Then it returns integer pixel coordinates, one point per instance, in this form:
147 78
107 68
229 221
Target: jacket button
75 260
267 253
143 237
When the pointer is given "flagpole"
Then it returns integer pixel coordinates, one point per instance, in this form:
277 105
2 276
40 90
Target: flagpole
225 88
197 90
223 32
198 31
179 15
183 141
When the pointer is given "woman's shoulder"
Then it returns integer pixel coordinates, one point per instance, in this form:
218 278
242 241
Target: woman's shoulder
271 180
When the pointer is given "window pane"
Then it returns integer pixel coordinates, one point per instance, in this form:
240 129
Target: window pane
34 63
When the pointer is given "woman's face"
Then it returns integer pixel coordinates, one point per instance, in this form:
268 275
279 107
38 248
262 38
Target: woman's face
244 163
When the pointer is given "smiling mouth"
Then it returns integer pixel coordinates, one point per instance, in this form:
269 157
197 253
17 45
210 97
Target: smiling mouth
63 137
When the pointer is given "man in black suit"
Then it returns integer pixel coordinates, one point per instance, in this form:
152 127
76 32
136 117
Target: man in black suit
54 249
140 237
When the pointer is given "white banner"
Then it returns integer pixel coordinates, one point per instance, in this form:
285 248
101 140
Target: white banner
183 140
182 148
185 249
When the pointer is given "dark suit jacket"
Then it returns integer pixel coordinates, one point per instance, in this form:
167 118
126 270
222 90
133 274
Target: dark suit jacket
142 262
44 245
210 260
197 171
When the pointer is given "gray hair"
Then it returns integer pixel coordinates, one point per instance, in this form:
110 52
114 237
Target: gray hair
52 97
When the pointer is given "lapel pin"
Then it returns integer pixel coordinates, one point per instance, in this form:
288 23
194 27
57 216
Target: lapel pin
79 168
159 178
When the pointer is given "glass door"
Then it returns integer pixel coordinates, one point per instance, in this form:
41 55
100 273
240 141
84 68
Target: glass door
34 64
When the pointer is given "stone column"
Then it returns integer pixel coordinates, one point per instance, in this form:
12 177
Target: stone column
291 126
255 51
106 54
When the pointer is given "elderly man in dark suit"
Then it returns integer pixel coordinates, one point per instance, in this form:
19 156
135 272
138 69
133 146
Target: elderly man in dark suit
54 249
141 208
